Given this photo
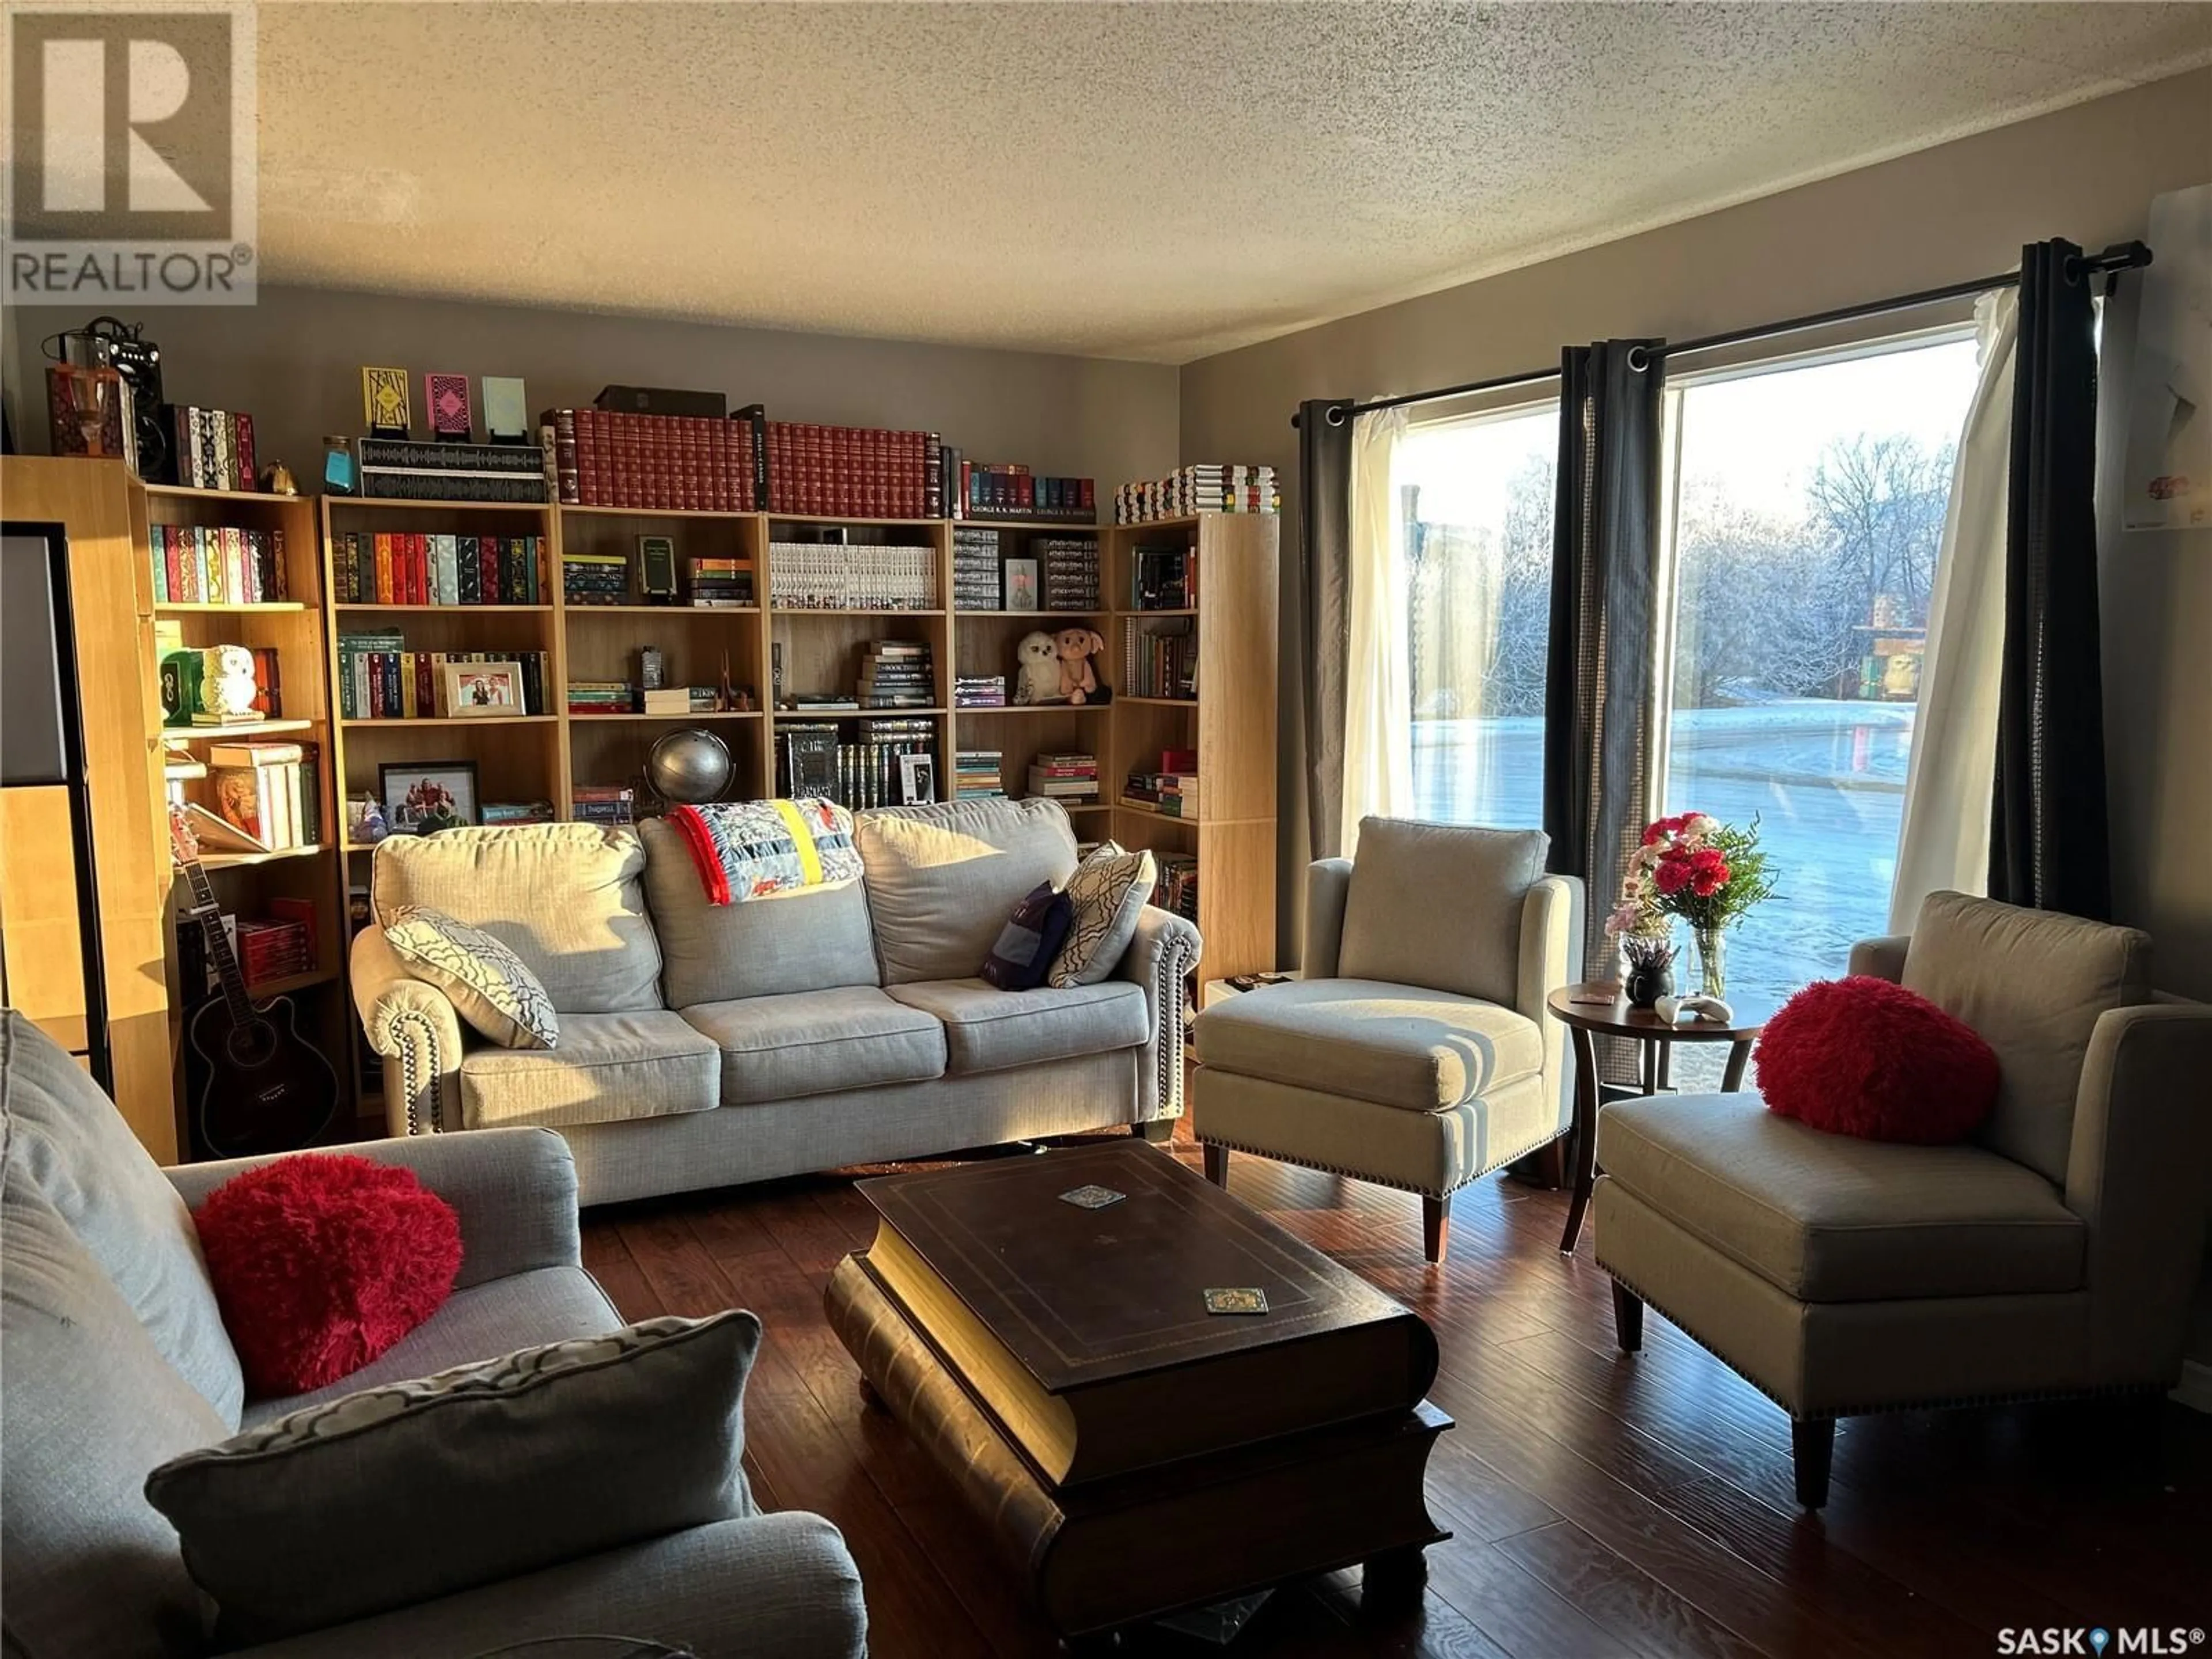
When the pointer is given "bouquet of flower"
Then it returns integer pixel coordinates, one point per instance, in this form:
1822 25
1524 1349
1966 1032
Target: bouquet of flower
1696 867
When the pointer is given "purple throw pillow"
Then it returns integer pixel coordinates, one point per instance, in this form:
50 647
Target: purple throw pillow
1031 940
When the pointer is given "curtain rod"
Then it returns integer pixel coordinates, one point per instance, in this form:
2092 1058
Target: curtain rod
2121 256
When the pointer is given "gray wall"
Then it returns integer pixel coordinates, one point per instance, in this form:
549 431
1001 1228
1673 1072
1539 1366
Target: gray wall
294 362
1950 214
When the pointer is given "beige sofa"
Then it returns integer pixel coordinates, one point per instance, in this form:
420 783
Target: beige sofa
704 1046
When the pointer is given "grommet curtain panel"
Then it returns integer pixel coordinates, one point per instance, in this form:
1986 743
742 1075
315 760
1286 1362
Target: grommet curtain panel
1320 600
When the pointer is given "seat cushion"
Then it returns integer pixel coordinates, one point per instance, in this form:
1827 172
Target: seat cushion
567 898
608 1066
942 880
987 1030
1439 905
1834 1219
818 1042
2033 984
546 1304
67 1142
1397 1045
810 940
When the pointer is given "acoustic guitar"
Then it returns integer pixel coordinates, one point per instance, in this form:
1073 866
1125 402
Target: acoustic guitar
261 1088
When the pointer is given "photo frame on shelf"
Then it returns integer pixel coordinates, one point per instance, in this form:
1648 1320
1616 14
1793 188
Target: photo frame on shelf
471 690
423 797
917 779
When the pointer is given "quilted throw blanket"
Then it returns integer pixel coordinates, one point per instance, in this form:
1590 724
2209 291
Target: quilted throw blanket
750 849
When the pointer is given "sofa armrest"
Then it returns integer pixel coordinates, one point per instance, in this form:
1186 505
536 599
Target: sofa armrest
413 1026
1328 885
1551 947
513 1190
1160 958
1883 958
765 1587
2138 1173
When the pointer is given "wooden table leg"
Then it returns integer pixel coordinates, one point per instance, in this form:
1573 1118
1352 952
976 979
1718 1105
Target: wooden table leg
1739 1054
1665 1067
1647 1064
1585 1137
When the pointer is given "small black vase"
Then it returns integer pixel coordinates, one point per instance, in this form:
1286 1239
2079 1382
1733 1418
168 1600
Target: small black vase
1646 986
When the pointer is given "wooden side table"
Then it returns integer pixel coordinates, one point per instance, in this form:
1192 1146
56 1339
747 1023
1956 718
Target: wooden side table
1592 1010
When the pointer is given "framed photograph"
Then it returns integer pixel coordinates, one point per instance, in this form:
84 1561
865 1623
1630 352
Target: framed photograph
469 688
917 779
1023 585
423 797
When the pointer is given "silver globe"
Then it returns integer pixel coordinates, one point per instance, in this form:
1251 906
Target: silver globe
689 766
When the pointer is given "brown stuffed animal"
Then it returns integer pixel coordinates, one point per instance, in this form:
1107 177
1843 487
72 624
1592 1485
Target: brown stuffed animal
1076 646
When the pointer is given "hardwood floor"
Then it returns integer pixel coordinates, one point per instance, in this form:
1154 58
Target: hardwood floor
1602 1505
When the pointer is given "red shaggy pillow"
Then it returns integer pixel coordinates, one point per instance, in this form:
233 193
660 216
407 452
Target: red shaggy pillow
1861 1056
321 1262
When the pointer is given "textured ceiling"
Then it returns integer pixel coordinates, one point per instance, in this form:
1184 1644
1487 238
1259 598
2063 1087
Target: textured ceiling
1154 181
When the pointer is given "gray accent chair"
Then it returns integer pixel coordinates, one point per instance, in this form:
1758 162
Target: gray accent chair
1415 1051
116 1361
2054 1253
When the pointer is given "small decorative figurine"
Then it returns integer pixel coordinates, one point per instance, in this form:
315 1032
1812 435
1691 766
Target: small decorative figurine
1076 646
1038 660
227 684
277 479
365 825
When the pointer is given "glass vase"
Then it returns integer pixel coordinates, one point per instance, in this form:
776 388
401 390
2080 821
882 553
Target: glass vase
1712 961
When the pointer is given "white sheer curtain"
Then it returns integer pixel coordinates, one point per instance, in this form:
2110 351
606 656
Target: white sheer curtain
1944 841
1378 750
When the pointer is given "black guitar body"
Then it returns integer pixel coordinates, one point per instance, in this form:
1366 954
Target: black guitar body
261 1089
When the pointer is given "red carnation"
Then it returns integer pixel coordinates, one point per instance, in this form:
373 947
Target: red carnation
1672 874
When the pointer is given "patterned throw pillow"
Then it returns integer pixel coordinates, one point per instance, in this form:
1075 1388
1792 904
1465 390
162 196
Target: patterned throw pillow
546 1455
1108 890
490 986
1029 940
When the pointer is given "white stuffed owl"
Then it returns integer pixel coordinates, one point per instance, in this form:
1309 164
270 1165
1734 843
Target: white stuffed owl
1038 661
227 686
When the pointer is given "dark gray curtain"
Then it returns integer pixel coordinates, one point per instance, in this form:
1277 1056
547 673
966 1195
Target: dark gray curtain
1598 696
1319 581
2048 846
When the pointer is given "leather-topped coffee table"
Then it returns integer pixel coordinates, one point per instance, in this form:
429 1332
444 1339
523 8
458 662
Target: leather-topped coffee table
1040 1326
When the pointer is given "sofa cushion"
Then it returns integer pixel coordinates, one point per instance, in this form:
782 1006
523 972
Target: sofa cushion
608 1066
1397 1045
1439 905
987 1030
1833 1218
67 1141
567 898
490 986
942 880
1109 890
548 1454
2032 983
814 940
90 1405
818 1042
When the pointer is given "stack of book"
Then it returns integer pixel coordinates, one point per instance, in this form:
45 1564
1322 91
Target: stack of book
977 774
403 567
1176 890
1170 794
602 803
897 674
515 811
206 564
868 770
1164 578
690 463
1160 660
722 584
977 578
856 471
979 691
1071 571
677 700
1014 492
267 793
270 951
601 697
1201 489
379 679
213 448
1068 778
839 576
594 578
403 469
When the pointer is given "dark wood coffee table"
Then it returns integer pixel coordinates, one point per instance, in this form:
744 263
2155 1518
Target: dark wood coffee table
1134 1454
1593 1011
